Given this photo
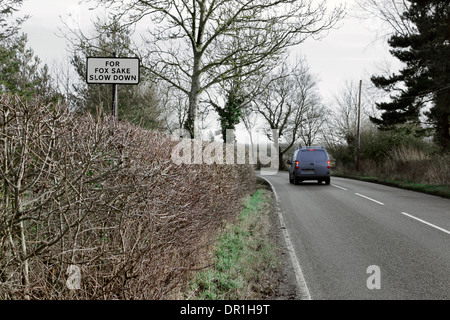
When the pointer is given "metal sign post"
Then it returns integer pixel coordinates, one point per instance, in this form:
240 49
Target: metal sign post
115 105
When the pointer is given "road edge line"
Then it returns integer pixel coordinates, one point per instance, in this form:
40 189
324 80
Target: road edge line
302 287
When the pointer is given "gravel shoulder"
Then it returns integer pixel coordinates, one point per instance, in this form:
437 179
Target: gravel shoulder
284 280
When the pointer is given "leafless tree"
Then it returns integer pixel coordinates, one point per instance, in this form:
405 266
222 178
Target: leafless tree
343 117
175 108
189 43
390 12
290 98
233 97
313 126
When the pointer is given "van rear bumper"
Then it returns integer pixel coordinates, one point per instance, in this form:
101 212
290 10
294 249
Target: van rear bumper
305 177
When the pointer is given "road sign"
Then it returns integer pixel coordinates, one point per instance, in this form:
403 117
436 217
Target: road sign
112 70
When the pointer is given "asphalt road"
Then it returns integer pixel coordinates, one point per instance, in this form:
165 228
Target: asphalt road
339 232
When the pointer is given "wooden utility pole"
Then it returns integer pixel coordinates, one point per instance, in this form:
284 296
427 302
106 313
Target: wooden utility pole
358 129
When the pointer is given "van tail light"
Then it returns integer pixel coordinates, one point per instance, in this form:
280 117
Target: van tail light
297 165
329 164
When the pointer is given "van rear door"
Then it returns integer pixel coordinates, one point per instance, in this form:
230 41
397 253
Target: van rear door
314 162
307 160
321 162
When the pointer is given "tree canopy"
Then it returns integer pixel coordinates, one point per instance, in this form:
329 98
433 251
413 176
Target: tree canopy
423 85
191 43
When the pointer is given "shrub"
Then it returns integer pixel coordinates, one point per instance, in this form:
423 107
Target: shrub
394 155
100 201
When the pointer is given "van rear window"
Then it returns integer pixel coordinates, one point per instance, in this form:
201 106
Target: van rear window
307 156
321 155
313 156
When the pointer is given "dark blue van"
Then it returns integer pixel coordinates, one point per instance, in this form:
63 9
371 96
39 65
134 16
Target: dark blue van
310 163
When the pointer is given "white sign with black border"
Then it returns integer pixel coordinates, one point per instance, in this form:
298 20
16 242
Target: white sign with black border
110 70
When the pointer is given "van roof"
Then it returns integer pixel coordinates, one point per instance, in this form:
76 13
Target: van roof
311 147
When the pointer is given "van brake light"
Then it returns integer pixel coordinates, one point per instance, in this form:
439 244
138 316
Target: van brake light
329 164
297 165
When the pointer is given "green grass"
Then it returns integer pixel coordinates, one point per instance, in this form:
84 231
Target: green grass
243 258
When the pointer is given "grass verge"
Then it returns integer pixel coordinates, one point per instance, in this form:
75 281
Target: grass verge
244 257
437 190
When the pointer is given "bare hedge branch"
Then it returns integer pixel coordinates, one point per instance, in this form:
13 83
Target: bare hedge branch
103 196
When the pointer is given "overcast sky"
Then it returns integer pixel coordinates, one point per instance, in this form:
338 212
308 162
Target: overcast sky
348 53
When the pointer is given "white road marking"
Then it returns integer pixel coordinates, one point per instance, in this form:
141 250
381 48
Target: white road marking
427 223
376 201
336 186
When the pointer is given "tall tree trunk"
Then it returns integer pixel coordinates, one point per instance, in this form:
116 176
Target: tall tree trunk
192 123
